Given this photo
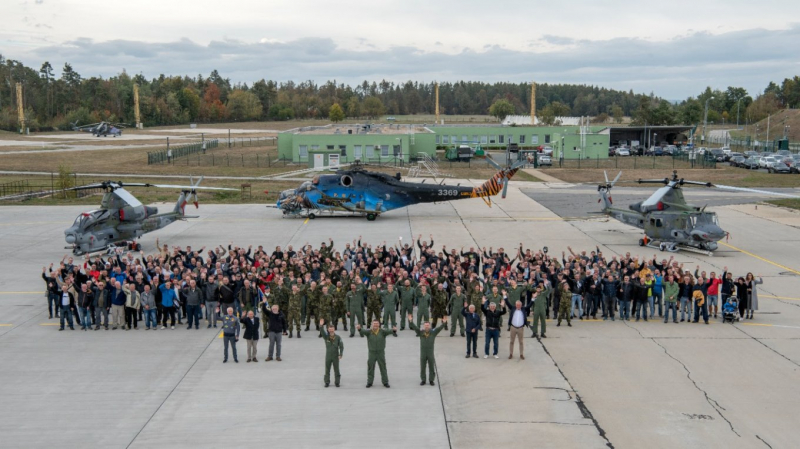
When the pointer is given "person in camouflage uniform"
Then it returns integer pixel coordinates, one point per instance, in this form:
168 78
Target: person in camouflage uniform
476 299
565 302
438 305
423 305
407 293
325 310
456 304
295 304
339 308
373 304
312 305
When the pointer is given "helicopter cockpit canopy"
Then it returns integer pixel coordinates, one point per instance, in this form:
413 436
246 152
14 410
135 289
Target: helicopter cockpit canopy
87 218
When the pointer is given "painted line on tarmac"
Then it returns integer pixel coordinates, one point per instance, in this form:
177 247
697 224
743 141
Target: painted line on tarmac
6 325
305 221
21 293
760 258
770 325
781 297
49 324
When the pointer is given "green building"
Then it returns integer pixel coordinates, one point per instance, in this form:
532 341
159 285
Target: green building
320 146
593 143
334 145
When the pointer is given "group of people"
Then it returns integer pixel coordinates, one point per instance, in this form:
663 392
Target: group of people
279 293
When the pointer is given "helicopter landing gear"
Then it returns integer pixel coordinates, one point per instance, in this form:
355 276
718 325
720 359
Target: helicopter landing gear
371 217
312 216
641 242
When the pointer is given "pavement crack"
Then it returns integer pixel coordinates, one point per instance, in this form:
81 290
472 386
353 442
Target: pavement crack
763 441
521 422
764 345
581 405
444 411
712 402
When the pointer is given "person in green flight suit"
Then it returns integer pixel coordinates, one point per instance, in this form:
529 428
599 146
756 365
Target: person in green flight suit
565 303
339 307
540 308
312 304
516 292
427 339
408 294
334 350
354 302
455 305
423 305
376 344
389 298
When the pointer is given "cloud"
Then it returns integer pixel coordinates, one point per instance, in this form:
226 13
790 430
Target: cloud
675 68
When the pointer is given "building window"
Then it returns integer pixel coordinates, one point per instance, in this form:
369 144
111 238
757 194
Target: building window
502 138
343 150
331 147
357 152
453 139
547 138
484 139
522 138
535 139
445 139
370 151
438 139
474 139
510 138
492 139
464 139
303 151
314 147
385 150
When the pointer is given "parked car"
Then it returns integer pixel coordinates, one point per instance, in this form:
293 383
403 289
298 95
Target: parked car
622 151
778 167
670 150
784 152
736 161
545 160
612 151
701 150
751 163
766 161
794 167
718 154
726 150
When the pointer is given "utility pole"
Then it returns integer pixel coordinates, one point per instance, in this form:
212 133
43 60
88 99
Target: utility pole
705 122
437 103
737 112
136 106
533 103
20 109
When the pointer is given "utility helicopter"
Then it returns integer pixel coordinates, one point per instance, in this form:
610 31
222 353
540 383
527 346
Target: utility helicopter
358 191
100 129
668 220
123 218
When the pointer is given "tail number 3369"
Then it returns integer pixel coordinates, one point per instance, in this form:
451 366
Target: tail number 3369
445 192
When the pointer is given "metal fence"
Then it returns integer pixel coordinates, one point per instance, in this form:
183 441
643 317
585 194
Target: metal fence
749 144
44 187
679 161
169 154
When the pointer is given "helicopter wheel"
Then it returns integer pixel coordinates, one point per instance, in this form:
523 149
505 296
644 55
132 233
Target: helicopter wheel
371 217
662 247
641 242
312 216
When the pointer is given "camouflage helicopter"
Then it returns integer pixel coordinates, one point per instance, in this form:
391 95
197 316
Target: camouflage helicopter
100 129
666 217
123 218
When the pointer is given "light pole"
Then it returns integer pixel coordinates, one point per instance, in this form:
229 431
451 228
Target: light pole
705 121
737 111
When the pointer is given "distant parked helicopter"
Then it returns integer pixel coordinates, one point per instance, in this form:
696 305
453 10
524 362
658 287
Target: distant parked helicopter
123 218
100 129
666 218
361 192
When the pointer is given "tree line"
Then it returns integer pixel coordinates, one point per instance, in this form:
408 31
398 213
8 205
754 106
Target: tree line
56 101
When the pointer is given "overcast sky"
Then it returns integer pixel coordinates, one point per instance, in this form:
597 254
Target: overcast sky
672 48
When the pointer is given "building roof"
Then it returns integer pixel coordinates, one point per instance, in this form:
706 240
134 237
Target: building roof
361 129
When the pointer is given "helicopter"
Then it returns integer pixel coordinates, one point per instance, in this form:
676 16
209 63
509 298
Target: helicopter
123 218
668 219
100 129
365 193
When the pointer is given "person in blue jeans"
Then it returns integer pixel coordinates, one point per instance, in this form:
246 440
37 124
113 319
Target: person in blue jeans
148 303
66 302
492 326
658 294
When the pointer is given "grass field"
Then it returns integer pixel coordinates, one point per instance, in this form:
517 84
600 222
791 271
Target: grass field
790 204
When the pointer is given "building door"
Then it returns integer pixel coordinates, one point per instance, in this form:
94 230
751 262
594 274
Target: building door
357 152
319 160
333 160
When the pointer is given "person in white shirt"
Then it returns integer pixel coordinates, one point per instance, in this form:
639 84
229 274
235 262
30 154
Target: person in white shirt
518 321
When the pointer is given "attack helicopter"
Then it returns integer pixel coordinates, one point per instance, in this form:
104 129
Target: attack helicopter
100 129
123 218
668 220
358 191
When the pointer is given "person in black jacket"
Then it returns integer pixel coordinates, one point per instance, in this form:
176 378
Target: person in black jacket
66 302
277 326
492 325
251 323
473 321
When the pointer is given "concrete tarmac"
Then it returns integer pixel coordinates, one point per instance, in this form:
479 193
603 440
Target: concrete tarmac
595 384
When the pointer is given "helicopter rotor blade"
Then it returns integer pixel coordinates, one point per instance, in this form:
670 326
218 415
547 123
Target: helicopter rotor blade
605 175
615 179
745 189
188 188
495 164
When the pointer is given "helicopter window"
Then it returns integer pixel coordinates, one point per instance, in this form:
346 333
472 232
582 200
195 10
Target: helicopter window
659 223
315 181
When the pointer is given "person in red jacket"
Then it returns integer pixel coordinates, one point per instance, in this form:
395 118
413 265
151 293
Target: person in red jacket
713 284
